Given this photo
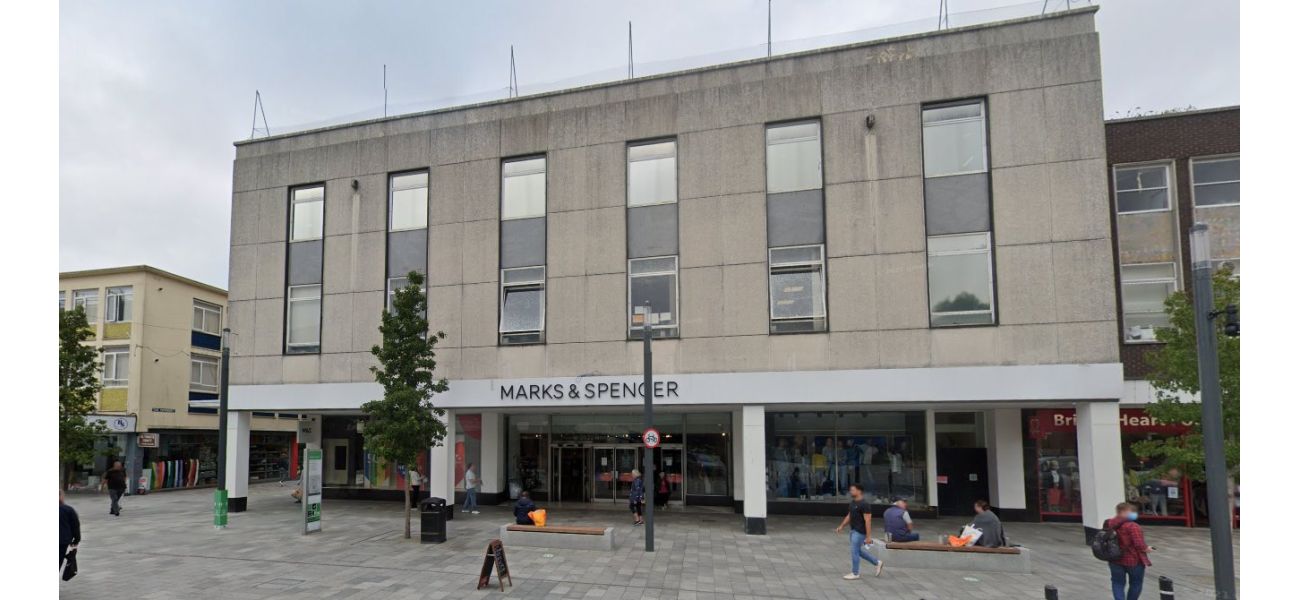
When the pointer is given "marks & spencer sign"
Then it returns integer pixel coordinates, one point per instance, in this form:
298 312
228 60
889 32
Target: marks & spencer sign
614 390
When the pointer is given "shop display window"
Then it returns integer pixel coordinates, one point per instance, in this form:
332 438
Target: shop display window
815 456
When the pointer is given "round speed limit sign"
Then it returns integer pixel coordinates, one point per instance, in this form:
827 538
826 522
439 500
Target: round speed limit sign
651 438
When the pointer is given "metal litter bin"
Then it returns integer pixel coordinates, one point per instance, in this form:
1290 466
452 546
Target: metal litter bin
433 521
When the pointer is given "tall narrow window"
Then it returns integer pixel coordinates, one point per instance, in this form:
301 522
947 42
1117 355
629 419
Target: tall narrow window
117 366
798 289
1144 289
207 317
307 215
523 251
408 233
1142 189
958 214
304 318
796 229
117 304
653 281
1216 181
652 240
961 290
63 299
88 300
523 305
203 372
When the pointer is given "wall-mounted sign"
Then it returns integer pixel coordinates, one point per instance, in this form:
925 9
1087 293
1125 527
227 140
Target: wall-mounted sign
147 440
309 431
163 410
115 424
585 391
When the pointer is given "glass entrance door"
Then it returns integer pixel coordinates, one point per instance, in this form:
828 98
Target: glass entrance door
603 483
569 464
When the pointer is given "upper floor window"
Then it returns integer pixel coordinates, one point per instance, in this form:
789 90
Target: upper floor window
523 305
207 317
303 318
203 372
117 366
523 188
63 299
1216 181
953 139
794 157
1142 189
88 300
961 279
652 281
307 214
408 205
652 173
797 289
1143 290
117 304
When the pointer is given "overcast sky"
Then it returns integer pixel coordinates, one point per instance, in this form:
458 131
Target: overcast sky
153 93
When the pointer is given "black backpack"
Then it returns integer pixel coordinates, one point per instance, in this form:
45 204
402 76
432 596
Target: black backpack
1105 545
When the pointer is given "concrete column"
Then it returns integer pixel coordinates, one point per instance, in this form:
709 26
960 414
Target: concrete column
238 426
134 463
931 460
492 467
754 463
1006 459
737 463
441 459
1101 466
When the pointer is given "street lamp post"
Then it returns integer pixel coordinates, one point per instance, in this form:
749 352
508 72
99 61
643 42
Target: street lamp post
648 465
1216 470
220 500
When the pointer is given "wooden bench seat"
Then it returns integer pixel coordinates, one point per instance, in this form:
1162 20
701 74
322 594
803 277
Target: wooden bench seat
938 547
559 536
936 555
558 529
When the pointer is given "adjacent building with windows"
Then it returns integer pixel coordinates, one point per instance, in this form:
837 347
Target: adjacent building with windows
1167 172
159 337
865 263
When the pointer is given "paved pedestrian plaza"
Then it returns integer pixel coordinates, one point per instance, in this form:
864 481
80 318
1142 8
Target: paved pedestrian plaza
164 546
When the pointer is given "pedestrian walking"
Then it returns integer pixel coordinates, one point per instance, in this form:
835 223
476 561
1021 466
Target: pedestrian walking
859 523
636 498
1133 562
115 480
69 534
471 491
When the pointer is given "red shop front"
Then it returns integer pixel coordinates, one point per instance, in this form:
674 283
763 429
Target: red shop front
1161 493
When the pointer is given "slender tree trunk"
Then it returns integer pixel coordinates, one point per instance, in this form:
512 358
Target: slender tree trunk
406 504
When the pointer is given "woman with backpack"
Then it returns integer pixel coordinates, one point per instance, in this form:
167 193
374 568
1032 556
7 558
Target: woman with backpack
1122 545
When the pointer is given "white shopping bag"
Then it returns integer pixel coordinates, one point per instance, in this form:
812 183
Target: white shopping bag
973 533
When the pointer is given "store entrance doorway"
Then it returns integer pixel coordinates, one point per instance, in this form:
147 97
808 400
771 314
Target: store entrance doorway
603 472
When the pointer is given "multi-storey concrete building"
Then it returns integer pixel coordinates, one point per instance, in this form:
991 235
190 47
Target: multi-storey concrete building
862 262
159 336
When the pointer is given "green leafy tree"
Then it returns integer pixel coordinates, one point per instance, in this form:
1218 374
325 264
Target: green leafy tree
1174 372
79 385
405 423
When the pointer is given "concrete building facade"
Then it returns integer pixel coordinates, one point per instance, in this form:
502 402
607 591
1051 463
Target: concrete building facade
159 337
862 264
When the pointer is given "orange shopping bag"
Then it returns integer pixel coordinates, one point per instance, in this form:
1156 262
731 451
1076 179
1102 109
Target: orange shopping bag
538 516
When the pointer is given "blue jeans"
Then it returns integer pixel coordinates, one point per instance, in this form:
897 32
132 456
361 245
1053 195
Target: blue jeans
1118 573
910 536
857 551
471 500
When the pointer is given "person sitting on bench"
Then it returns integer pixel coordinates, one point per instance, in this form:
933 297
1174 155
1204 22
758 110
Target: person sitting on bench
522 508
898 522
990 525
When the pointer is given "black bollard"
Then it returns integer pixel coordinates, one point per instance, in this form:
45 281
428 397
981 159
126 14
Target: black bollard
1049 593
1166 588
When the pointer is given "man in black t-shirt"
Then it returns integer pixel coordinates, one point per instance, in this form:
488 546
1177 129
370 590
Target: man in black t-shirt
859 523
115 481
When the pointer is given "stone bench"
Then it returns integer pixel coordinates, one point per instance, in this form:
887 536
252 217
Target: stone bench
559 536
934 555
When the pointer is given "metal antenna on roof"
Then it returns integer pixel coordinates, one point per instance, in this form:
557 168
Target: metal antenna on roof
514 81
385 90
943 14
258 108
769 28
630 72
